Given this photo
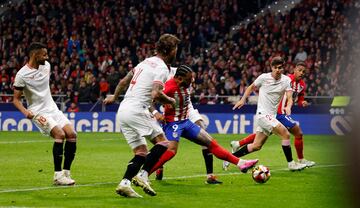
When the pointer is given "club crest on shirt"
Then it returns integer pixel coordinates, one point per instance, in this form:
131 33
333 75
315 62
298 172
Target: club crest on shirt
175 134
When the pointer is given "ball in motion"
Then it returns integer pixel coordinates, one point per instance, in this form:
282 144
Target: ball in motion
261 174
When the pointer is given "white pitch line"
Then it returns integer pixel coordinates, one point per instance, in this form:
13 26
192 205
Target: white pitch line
165 178
25 142
14 207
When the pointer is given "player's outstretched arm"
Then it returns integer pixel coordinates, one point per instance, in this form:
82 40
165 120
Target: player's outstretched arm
122 85
289 102
242 101
158 95
18 104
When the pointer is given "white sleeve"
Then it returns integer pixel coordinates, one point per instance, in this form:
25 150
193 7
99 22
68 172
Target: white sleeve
161 76
19 81
259 80
288 85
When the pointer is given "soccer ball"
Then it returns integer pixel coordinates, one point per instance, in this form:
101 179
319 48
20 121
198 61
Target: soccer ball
261 174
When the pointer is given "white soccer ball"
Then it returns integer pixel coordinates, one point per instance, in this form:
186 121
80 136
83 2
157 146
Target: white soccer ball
261 174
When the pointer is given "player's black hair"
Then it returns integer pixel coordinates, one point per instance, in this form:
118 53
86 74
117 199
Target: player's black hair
35 46
182 70
166 44
277 61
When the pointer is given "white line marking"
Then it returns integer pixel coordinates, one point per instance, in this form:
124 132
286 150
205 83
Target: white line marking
13 207
25 142
165 178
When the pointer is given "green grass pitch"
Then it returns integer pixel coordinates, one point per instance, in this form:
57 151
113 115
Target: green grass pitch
26 172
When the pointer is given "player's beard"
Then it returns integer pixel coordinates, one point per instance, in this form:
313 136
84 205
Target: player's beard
172 60
41 61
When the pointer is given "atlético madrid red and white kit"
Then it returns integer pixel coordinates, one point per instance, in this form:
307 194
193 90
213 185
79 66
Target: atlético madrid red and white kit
182 97
298 88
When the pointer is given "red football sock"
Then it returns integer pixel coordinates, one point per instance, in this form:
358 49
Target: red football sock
222 153
299 146
247 140
163 159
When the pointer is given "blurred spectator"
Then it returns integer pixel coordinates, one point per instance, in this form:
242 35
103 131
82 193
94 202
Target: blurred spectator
234 97
104 87
84 92
301 55
113 79
230 84
73 108
105 40
94 90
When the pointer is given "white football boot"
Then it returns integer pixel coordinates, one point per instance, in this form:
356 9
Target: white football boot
143 181
225 165
308 163
124 189
61 180
293 166
235 146
68 175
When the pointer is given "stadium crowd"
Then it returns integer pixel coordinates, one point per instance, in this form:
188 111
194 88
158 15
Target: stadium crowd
92 44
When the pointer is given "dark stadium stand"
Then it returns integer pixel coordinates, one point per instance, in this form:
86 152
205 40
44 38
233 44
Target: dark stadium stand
92 44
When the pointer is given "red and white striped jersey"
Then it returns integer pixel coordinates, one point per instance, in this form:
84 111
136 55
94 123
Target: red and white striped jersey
182 97
298 94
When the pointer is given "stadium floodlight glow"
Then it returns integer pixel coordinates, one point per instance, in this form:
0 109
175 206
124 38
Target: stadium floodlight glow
248 20
285 6
262 11
269 7
255 15
276 2
292 2
279 10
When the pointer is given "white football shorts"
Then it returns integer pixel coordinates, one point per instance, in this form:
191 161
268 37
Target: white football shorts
136 125
266 123
47 121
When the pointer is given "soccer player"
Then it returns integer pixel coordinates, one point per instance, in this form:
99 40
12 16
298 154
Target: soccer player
32 80
195 117
145 83
178 125
298 86
272 87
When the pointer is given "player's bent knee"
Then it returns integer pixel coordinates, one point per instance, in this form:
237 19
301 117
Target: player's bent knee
59 136
299 136
71 137
141 150
285 134
159 138
256 147
172 148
